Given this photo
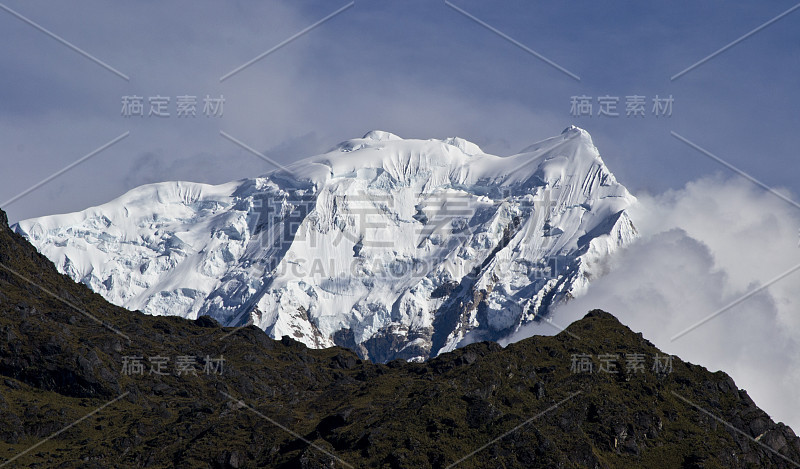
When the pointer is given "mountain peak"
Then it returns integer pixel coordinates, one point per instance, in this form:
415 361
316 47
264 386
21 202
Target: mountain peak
467 147
574 131
396 248
380 135
602 315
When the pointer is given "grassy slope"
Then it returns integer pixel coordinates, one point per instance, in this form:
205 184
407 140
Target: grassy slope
57 365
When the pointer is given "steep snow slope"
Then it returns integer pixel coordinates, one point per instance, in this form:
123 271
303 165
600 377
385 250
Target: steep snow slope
395 248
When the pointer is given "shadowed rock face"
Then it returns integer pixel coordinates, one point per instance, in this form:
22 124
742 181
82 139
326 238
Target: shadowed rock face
280 404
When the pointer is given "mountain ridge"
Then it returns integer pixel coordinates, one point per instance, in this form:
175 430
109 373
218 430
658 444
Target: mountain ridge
354 246
66 400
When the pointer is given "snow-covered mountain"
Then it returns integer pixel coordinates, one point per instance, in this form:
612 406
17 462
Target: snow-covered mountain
395 248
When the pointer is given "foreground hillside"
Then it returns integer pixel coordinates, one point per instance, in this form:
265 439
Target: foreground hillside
72 395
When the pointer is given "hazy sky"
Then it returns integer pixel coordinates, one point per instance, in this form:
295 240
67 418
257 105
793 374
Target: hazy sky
423 69
420 69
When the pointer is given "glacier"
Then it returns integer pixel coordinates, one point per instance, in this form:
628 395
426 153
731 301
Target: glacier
395 248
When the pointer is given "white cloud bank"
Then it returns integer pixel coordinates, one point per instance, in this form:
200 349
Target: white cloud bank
702 248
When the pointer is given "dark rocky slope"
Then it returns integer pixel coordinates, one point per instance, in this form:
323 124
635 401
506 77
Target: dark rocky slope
65 401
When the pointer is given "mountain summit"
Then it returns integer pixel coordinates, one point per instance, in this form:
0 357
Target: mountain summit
395 248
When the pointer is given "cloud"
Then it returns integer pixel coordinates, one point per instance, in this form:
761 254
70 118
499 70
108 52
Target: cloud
702 248
418 69
205 167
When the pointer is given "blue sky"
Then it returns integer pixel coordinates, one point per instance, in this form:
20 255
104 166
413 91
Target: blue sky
419 69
